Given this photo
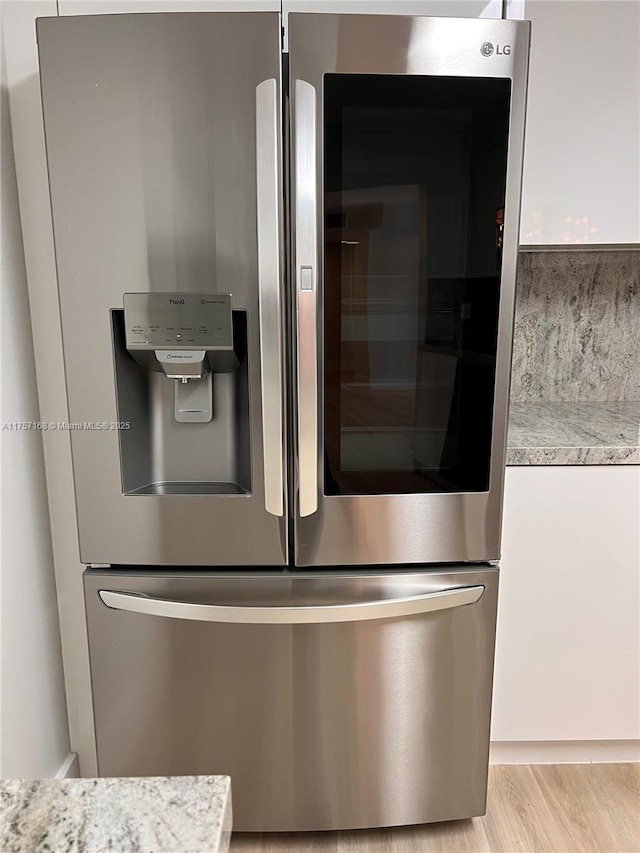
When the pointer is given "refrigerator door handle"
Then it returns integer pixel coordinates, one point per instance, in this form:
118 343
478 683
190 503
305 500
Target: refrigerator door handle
293 615
270 311
306 268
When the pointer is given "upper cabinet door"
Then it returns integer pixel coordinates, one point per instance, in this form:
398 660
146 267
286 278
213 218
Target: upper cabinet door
406 163
582 164
164 148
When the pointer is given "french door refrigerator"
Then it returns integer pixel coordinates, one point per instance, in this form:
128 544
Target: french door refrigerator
286 287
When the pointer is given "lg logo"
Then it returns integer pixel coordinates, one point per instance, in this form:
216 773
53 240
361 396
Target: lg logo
487 49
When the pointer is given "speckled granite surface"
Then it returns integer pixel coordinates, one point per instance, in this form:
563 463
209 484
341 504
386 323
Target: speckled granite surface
183 814
561 433
577 323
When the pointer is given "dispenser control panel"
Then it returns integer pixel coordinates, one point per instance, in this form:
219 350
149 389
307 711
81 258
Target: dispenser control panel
174 320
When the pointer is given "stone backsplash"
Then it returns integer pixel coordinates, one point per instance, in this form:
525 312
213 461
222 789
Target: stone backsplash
577 326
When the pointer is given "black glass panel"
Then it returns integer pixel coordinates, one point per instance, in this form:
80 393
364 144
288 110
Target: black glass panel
414 180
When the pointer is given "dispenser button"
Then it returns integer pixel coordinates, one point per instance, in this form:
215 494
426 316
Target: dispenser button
306 278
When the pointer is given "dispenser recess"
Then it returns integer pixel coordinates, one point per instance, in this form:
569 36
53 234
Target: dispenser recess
181 379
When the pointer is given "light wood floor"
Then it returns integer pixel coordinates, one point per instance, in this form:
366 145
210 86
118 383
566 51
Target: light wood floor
562 808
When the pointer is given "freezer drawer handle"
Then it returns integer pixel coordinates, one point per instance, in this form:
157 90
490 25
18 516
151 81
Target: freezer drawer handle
269 286
306 263
307 614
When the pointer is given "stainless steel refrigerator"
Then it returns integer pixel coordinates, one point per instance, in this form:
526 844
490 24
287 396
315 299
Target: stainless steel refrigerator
286 290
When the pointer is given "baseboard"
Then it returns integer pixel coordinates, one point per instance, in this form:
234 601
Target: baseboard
505 752
564 752
69 769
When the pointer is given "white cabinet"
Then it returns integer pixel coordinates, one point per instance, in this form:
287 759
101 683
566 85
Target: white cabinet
582 142
567 652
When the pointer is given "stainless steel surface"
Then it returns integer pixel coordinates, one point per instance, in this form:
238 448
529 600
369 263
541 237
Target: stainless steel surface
189 487
168 321
150 124
269 194
374 723
159 455
434 8
300 615
422 528
306 266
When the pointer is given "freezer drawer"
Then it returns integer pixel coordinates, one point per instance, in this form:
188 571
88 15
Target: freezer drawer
333 700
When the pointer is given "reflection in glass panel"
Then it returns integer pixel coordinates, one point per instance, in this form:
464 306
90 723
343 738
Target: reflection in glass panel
415 171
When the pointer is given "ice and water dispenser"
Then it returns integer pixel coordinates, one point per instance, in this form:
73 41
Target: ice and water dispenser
182 386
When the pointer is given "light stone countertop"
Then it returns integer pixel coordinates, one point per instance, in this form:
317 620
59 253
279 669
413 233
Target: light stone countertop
574 433
180 814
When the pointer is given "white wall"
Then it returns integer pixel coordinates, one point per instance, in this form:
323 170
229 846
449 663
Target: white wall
582 142
34 737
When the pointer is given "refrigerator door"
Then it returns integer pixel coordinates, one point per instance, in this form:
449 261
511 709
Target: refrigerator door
407 138
333 700
164 148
